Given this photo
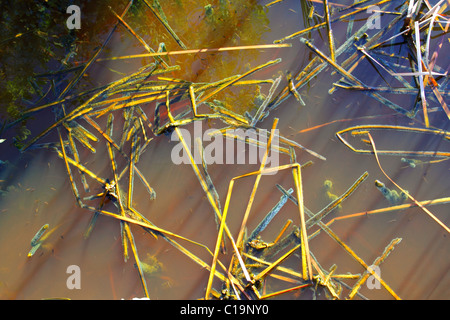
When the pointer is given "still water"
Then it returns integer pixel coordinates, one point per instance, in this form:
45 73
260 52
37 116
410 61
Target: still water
37 188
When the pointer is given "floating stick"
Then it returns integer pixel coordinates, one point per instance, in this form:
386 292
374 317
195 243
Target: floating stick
405 192
320 25
227 133
392 208
197 51
131 171
142 41
81 134
72 183
136 258
353 254
310 71
324 280
218 244
255 186
273 265
83 109
372 39
208 177
350 24
273 294
391 195
227 115
296 144
106 136
39 238
147 225
101 88
443 133
204 185
306 258
149 189
328 231
127 117
229 83
195 258
377 262
142 223
250 202
398 90
330 31
259 114
431 64
392 73
77 159
92 59
210 184
272 3
322 213
419 65
352 78
123 225
34 249
287 224
209 196
94 217
166 25
288 271
268 218
80 167
293 89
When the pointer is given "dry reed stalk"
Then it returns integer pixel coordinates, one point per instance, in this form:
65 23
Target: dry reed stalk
323 24
377 262
274 294
142 41
392 208
407 193
363 128
197 51
166 25
330 31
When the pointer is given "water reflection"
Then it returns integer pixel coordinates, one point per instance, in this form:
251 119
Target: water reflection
39 191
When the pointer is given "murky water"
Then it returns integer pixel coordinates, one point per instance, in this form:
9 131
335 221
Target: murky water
39 190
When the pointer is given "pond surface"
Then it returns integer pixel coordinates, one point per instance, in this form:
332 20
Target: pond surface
36 189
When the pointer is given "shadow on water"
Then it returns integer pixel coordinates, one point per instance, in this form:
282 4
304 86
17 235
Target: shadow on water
36 189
